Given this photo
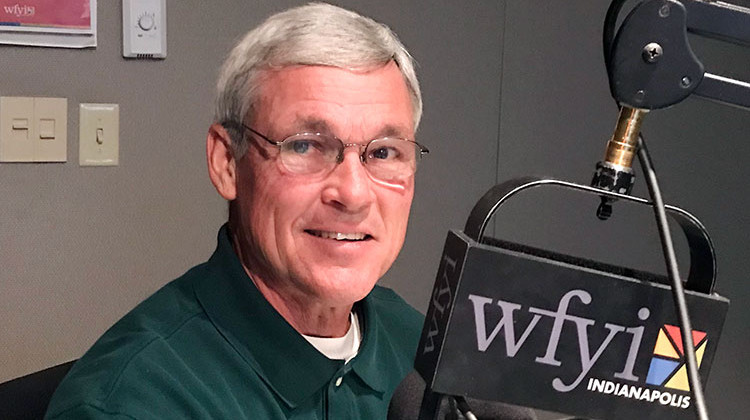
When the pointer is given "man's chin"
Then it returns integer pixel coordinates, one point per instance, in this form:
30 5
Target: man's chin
345 286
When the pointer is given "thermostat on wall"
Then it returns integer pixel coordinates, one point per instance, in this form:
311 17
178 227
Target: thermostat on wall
144 28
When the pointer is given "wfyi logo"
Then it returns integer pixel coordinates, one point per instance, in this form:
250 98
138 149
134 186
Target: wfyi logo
18 10
667 368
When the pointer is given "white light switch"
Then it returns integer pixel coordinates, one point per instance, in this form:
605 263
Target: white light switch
21 124
33 129
15 129
99 135
51 129
46 129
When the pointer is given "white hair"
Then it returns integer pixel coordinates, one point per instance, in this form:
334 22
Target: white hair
314 34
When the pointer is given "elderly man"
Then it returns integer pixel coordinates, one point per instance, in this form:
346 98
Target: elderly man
314 149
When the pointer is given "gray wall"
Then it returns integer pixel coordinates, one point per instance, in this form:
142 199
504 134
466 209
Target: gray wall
81 246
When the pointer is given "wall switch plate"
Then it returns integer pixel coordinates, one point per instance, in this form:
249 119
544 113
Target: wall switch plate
144 28
16 129
99 135
51 124
33 129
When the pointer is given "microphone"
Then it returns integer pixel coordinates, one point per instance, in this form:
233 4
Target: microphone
407 400
615 172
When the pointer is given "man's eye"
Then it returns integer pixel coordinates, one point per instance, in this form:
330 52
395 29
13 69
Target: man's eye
305 146
386 153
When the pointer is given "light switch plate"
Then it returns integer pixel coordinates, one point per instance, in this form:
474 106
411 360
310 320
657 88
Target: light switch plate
51 129
99 135
16 129
33 129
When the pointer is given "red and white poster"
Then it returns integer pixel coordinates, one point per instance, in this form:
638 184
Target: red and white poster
47 15
56 23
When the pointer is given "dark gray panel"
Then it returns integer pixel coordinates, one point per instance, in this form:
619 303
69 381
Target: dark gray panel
556 118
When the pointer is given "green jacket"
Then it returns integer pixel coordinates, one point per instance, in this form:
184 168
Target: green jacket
208 345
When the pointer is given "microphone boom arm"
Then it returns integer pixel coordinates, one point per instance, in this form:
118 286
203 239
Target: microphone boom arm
651 65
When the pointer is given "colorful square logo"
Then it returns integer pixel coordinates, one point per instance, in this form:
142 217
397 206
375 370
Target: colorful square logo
668 367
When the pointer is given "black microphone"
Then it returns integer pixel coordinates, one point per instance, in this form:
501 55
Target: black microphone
407 401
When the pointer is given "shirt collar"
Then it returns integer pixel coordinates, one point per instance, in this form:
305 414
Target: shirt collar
292 367
367 363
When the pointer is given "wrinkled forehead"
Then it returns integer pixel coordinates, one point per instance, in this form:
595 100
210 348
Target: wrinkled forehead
261 88
332 100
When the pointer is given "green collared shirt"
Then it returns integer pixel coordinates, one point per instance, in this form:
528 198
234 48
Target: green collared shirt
208 345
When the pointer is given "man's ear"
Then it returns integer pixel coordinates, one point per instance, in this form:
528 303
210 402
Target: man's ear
222 168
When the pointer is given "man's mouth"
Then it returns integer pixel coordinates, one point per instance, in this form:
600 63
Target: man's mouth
339 236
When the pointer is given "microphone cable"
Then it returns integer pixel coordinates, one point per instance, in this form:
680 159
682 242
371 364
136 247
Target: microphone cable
678 292
464 408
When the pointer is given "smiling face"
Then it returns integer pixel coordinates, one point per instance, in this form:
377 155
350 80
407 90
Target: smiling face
325 237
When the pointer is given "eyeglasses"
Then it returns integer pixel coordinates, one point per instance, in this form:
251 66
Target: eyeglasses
389 159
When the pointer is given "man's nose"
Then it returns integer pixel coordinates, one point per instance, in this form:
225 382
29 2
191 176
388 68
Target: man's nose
349 186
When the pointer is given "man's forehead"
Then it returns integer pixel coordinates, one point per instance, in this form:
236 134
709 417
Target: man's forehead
336 101
319 124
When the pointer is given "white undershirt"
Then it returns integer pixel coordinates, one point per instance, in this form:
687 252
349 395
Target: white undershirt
339 348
